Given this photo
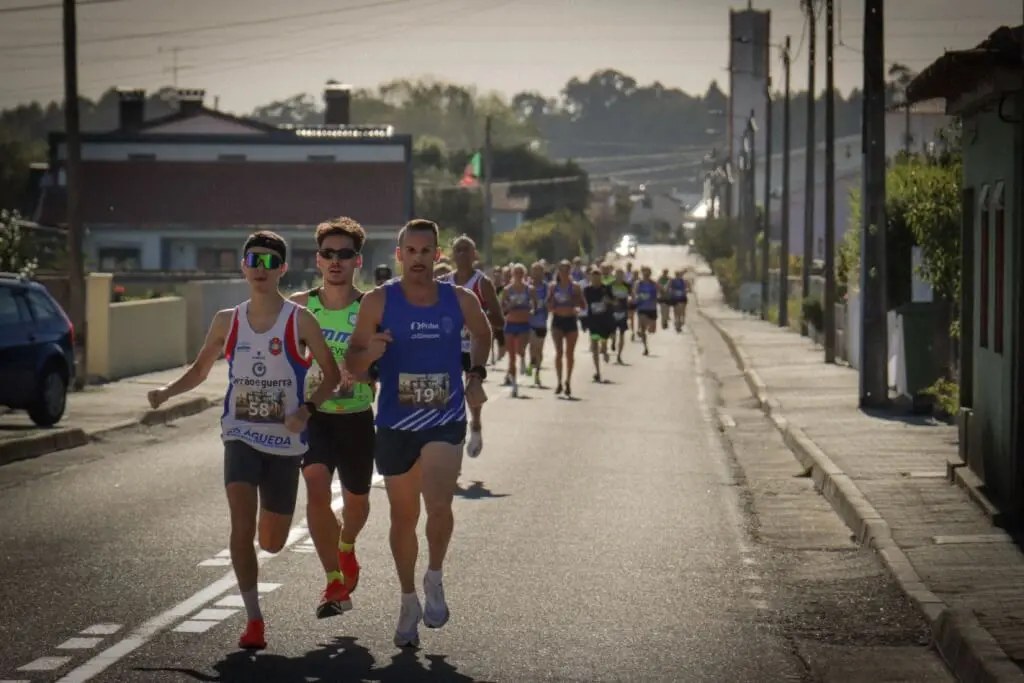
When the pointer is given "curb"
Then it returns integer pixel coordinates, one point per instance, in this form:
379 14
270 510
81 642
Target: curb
967 648
60 439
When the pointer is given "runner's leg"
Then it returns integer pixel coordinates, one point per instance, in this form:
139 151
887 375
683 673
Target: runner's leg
441 462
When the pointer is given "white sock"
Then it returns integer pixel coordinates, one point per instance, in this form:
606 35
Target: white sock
251 598
433 576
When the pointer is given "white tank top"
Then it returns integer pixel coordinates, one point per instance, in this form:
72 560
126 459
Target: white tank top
473 285
267 374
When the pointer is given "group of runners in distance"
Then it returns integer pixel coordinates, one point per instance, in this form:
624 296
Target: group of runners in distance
306 371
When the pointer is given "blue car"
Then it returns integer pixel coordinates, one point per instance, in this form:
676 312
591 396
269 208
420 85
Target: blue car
37 350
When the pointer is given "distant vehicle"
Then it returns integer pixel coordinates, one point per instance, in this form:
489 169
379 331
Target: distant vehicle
627 246
37 350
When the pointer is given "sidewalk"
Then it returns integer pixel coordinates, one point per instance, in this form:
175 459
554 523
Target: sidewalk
885 475
105 408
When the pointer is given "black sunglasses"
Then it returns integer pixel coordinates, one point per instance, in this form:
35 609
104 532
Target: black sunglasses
338 254
268 261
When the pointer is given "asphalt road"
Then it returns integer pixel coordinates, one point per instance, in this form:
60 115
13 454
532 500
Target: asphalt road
617 537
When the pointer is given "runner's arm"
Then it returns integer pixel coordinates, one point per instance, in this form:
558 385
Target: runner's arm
212 349
312 336
494 312
479 327
371 312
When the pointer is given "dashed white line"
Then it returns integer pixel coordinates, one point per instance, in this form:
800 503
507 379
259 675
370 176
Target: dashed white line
45 664
214 614
79 643
194 626
216 562
101 630
230 601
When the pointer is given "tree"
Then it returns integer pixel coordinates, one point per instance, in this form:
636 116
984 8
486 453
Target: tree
555 236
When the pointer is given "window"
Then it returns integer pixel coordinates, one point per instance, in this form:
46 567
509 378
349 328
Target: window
43 309
10 311
999 228
117 259
983 274
217 259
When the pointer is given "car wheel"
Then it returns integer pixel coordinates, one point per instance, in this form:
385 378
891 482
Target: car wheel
52 398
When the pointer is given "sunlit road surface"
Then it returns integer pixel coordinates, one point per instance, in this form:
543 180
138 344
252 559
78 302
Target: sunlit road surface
605 538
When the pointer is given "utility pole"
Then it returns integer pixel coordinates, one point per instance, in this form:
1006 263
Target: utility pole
830 186
488 226
784 227
874 351
73 177
809 184
174 68
751 197
766 230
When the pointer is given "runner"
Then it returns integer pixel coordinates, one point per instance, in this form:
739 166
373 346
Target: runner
263 426
518 303
564 298
466 275
341 432
598 298
677 296
381 274
664 300
539 320
498 277
421 418
630 279
578 274
622 293
646 293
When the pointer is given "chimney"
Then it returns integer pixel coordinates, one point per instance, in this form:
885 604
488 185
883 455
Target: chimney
338 104
190 100
131 108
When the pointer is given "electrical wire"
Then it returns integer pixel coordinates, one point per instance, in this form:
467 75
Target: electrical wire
53 5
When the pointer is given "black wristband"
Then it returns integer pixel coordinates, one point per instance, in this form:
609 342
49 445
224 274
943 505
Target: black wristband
478 370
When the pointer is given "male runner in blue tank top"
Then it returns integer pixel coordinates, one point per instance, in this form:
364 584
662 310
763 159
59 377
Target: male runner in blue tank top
421 408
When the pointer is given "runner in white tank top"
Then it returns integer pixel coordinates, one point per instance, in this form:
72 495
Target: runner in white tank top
266 374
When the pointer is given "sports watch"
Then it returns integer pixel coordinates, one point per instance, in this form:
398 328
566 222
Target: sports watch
478 370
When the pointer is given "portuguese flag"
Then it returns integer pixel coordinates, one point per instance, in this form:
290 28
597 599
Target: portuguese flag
472 173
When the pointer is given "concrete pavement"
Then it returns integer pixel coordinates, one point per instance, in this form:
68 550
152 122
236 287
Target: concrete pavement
611 538
886 477
101 409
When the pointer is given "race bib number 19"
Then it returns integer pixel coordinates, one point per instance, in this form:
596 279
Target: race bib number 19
423 391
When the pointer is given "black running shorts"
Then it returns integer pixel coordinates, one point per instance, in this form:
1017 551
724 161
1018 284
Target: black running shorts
276 477
343 442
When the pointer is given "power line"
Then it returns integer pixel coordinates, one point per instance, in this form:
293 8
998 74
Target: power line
53 5
209 27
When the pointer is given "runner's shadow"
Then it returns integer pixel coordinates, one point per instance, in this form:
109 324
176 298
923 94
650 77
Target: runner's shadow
477 491
341 660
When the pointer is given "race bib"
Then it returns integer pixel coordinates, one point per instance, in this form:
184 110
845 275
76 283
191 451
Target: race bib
597 307
262 407
315 377
467 341
678 293
644 296
620 315
429 391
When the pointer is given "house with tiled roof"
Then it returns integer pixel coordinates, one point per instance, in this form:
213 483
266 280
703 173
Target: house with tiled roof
182 191
984 87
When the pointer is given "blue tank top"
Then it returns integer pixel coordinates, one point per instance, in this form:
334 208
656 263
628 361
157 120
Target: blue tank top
540 315
562 297
677 287
421 370
578 276
646 296
518 301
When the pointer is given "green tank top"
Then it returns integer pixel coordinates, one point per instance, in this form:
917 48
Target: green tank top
337 326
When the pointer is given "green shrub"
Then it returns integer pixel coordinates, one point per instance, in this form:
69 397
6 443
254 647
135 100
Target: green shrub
813 312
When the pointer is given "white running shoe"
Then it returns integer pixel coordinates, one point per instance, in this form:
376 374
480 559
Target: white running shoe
407 633
475 444
435 608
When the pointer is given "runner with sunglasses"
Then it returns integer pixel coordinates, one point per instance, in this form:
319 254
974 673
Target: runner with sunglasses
341 432
266 411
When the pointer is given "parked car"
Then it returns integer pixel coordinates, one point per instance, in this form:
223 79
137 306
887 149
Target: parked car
37 350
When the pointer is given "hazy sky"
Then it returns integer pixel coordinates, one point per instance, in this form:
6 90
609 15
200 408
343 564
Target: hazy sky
248 52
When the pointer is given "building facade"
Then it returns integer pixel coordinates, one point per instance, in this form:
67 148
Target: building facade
985 87
749 74
181 193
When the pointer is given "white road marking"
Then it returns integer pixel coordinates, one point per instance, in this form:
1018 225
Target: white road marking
101 630
10 681
224 553
760 604
45 664
231 601
194 626
213 614
216 562
264 588
161 622
79 643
